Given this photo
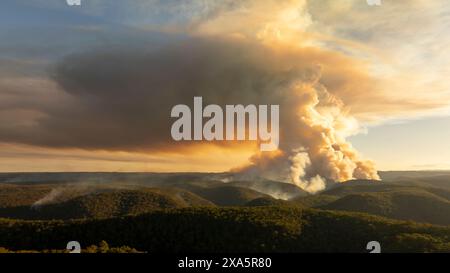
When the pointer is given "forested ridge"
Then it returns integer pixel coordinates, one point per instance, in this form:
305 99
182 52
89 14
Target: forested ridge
259 229
144 212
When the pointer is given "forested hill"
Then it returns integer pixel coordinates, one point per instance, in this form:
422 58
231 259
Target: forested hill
258 229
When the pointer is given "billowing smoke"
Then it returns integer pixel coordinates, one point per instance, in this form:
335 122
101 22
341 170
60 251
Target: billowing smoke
299 162
313 146
111 96
118 98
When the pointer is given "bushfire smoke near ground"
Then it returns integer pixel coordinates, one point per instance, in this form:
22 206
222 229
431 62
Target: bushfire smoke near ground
100 99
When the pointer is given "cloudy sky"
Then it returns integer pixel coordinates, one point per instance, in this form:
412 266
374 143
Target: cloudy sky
90 88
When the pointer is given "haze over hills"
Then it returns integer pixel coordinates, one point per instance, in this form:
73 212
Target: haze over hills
279 190
106 203
396 175
409 204
415 200
97 197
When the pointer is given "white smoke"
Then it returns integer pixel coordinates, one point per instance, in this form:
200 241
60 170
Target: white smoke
299 162
313 146
47 199
314 123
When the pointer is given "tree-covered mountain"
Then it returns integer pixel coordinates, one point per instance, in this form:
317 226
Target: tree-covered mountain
107 204
393 200
414 205
211 213
229 195
219 230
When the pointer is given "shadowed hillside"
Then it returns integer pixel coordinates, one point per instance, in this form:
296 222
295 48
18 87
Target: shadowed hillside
314 200
411 205
268 201
202 213
393 200
107 204
228 195
276 189
233 230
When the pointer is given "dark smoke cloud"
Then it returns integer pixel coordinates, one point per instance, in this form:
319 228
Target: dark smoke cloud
120 99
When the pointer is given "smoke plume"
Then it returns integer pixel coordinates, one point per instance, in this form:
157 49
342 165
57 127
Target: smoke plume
48 198
110 97
313 146
118 97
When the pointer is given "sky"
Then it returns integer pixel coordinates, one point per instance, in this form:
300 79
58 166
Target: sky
90 88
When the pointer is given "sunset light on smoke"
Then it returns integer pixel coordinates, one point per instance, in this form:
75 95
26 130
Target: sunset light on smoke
95 93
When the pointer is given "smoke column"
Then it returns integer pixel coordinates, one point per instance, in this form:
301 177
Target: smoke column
313 146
